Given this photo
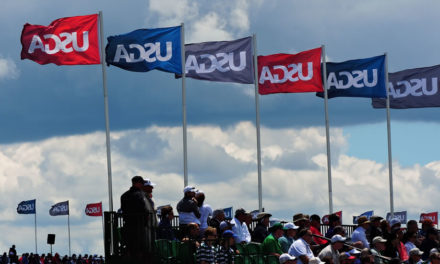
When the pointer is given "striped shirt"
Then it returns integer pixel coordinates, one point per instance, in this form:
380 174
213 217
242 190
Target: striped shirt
206 253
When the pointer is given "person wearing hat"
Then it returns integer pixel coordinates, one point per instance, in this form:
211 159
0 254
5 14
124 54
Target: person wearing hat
430 242
134 212
287 259
261 229
359 232
374 229
301 220
151 221
188 210
332 250
217 217
301 247
225 252
286 241
415 256
239 227
378 248
270 245
333 221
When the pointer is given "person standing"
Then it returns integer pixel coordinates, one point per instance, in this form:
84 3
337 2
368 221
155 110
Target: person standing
205 211
151 223
188 210
359 233
240 228
301 247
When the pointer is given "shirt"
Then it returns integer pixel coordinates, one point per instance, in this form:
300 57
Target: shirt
241 231
271 245
206 253
359 235
205 212
329 251
285 243
300 248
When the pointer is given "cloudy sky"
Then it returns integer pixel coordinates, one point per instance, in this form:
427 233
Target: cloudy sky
52 140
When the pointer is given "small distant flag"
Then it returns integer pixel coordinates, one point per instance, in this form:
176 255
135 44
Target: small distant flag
399 215
429 216
94 209
325 218
368 214
26 207
61 208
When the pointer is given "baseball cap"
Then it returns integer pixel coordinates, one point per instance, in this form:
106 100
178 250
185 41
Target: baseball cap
276 226
354 252
189 189
290 225
286 257
337 238
415 251
394 221
229 233
378 239
148 182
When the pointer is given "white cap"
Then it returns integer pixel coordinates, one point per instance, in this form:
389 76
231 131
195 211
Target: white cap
394 221
354 252
199 191
415 251
286 257
290 225
148 182
189 189
337 238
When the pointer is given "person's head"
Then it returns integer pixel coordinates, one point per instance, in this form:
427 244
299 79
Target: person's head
189 191
137 181
290 229
263 218
337 242
200 197
367 259
241 215
339 230
148 186
300 220
287 259
379 243
166 212
410 236
193 230
385 226
426 224
412 226
218 214
228 238
375 220
225 225
434 257
363 221
346 258
315 221
431 234
415 254
334 220
395 223
210 235
277 230
305 234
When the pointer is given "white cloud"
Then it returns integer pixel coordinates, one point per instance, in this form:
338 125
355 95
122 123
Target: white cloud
222 162
8 69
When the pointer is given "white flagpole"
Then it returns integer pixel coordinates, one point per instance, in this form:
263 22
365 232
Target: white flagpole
68 228
103 230
257 125
107 123
327 133
35 221
390 159
185 148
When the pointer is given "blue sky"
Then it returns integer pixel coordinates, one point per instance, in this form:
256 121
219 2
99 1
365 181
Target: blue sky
52 144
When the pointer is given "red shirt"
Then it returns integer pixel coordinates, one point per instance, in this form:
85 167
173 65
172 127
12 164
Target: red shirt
317 240
402 252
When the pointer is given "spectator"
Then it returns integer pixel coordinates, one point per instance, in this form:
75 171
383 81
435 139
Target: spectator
346 258
188 210
430 242
374 229
287 259
205 211
286 241
217 217
240 228
401 249
193 234
434 258
315 227
391 246
359 232
415 256
426 224
301 220
270 245
165 230
261 229
225 252
206 253
301 247
151 223
410 239
332 250
333 221
135 215
225 225
386 229
378 249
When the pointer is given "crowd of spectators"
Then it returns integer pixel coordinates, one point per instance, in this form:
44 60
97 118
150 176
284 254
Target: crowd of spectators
216 240
30 258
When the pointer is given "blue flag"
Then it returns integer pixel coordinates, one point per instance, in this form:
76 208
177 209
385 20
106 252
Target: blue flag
356 78
368 214
228 213
144 50
399 215
59 209
26 207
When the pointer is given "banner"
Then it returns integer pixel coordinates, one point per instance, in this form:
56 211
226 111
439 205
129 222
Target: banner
26 207
429 216
286 73
399 215
413 88
66 41
144 50
368 214
356 78
325 220
94 209
228 213
221 61
59 209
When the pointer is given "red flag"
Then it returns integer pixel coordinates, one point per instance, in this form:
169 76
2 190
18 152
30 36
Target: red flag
430 216
287 73
66 41
325 221
94 209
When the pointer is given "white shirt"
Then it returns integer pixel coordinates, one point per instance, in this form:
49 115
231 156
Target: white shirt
241 231
359 235
205 211
300 248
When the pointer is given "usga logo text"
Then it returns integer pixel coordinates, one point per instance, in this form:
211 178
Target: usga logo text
65 42
150 52
208 63
26 207
282 74
414 87
357 79
92 210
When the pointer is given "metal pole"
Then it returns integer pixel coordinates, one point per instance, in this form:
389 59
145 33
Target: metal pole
35 221
185 148
390 159
68 227
327 133
257 123
107 123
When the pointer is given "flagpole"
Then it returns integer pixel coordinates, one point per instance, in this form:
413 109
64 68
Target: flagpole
107 125
103 228
35 221
327 133
257 125
68 228
390 160
185 148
